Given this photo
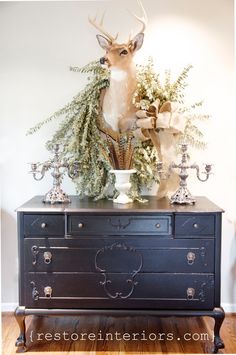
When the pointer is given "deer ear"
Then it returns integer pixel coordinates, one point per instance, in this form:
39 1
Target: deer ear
104 42
137 42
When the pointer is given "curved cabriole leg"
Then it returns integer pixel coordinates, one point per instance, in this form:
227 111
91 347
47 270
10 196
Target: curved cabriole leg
219 316
20 318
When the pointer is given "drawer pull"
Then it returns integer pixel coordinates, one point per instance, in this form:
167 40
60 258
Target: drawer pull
158 225
47 256
190 293
195 225
191 257
48 291
43 225
80 225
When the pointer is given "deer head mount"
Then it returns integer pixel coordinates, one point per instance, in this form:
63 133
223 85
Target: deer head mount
119 55
117 108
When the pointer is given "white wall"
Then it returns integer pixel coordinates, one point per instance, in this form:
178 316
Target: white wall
38 43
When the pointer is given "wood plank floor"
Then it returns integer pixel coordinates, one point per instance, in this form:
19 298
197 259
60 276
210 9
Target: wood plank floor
163 335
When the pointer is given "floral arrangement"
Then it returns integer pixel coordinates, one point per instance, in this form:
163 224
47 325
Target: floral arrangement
94 152
150 88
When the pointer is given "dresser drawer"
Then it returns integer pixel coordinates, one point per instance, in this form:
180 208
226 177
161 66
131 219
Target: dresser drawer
172 291
121 224
95 254
44 225
194 225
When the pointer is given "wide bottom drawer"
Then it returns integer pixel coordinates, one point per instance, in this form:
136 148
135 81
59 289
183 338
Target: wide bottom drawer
119 290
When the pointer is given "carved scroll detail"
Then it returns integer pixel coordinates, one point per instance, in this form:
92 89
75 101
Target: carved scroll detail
135 265
35 251
203 254
118 223
201 293
35 293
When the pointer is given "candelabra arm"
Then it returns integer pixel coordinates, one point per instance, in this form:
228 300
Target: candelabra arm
71 175
39 175
42 173
207 172
170 169
73 170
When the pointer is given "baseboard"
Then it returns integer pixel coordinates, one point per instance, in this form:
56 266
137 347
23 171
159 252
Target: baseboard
8 307
229 307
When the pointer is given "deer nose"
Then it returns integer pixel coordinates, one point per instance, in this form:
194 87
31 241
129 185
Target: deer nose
102 60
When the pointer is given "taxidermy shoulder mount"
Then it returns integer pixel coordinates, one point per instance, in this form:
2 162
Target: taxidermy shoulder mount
117 107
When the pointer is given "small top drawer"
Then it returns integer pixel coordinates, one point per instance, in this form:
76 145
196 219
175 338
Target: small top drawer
44 225
120 224
194 225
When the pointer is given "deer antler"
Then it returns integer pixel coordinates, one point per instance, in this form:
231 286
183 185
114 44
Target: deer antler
143 20
99 27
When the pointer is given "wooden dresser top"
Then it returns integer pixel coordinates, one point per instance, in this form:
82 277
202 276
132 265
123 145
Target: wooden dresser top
202 205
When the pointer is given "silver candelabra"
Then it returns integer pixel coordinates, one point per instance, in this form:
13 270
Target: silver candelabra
56 194
182 195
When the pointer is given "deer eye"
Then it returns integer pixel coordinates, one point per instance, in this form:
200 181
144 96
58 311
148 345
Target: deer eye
124 52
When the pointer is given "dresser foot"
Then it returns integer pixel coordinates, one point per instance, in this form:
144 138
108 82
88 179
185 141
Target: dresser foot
219 316
20 318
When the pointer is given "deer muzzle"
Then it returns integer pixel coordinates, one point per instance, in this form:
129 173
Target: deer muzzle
102 60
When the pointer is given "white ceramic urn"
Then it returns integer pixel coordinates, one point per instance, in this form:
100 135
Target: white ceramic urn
123 185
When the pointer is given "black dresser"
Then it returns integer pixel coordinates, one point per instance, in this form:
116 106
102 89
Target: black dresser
98 257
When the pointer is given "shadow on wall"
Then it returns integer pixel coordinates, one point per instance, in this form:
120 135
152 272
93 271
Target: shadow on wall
9 260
